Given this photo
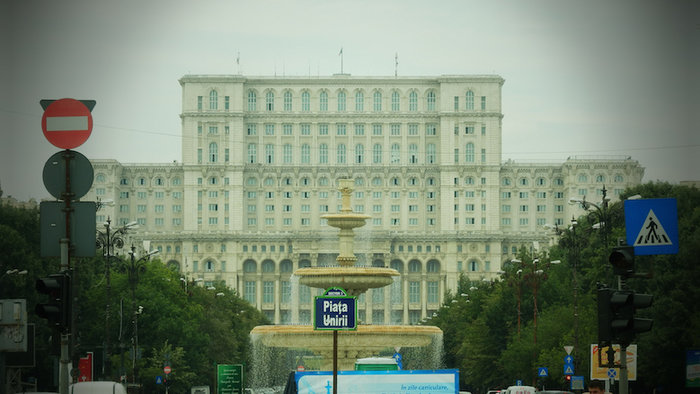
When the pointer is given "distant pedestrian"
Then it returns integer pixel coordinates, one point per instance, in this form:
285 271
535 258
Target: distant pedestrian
596 387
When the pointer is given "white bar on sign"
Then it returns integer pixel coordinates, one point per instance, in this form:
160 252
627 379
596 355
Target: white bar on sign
66 123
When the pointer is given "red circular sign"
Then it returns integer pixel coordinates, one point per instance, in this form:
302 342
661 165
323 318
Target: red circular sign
167 369
67 123
301 368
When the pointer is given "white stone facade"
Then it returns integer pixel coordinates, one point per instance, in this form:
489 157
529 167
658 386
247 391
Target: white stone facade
261 157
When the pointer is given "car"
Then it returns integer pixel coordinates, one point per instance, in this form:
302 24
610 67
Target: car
520 390
96 388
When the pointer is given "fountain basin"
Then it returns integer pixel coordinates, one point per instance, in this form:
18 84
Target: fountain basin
354 280
346 220
366 341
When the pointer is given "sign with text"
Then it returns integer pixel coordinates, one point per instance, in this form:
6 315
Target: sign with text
335 310
229 379
435 381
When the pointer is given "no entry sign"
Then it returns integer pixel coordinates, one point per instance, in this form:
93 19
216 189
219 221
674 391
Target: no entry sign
67 123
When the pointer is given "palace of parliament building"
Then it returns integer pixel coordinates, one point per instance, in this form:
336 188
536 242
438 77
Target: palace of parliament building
261 160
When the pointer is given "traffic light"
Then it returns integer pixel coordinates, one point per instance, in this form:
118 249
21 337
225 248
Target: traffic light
622 260
616 316
58 309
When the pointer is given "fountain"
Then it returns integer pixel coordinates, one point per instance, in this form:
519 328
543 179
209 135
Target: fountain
367 340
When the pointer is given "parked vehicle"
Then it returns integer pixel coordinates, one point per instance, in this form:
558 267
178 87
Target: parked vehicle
96 388
520 390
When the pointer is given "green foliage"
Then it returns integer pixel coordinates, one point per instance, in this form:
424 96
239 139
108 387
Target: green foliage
482 338
196 329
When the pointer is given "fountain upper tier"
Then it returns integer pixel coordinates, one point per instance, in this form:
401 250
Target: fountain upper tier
354 280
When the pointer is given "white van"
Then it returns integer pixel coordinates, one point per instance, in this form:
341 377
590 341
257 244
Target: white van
520 390
96 388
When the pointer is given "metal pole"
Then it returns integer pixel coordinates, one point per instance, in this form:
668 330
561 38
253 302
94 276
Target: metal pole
107 366
335 361
623 352
63 381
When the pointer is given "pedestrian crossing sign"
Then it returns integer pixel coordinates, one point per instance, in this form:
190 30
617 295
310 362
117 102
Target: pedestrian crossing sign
652 225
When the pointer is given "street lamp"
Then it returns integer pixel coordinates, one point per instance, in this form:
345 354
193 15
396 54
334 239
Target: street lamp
107 240
600 211
134 267
14 271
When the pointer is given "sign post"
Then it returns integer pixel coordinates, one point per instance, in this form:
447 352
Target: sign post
335 310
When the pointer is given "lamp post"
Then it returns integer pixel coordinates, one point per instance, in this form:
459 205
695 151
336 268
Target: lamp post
134 267
107 240
14 271
600 211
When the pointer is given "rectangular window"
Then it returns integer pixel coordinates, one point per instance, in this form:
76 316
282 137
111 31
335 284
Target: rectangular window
269 129
413 129
414 292
433 295
249 292
376 129
359 129
268 292
287 129
305 129
395 129
341 129
323 129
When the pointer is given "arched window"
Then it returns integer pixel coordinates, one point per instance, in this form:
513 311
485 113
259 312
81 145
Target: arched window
305 154
470 153
600 178
268 266
252 181
395 153
377 106
250 266
473 266
359 153
413 154
430 154
377 154
431 100
414 266
470 100
395 100
286 266
287 101
413 101
469 180
209 266
397 265
341 101
269 102
341 153
269 181
619 178
323 154
359 101
305 101
252 101
213 100
524 182
213 152
583 178
433 266
323 101
323 181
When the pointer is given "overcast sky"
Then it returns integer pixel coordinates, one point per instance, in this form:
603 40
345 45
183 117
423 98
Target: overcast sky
585 78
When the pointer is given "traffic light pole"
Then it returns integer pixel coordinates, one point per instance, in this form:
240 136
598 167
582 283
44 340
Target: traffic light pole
623 352
63 381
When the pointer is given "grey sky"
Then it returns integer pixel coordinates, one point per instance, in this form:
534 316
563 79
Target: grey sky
582 77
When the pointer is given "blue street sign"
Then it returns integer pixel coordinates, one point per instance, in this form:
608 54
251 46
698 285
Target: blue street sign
577 383
397 357
652 225
568 369
159 380
569 359
335 312
612 373
542 372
